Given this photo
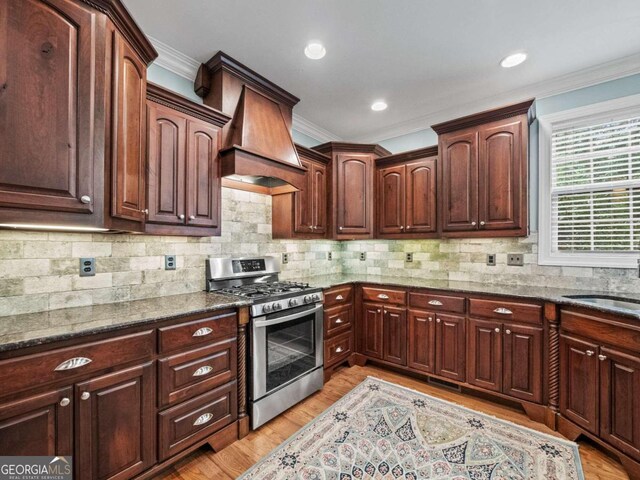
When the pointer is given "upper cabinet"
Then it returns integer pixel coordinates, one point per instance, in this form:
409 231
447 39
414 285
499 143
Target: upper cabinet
183 184
351 189
483 173
72 95
303 214
406 194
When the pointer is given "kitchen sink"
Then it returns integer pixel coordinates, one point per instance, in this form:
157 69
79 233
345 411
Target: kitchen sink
608 301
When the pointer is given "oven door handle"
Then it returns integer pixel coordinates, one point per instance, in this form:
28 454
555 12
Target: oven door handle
261 322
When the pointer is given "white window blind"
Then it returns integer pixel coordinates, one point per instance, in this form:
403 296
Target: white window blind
595 187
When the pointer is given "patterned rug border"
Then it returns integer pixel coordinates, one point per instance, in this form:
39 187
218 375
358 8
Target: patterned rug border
369 379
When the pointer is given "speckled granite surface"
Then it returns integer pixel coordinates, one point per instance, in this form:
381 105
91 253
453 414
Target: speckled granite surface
556 295
18 331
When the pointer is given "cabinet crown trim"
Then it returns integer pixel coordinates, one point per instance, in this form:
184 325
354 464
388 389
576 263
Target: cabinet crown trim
487 116
331 147
162 96
310 154
420 153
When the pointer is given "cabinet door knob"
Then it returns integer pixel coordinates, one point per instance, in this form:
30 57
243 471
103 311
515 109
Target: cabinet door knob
401 227
589 353
408 227
438 320
602 357
64 402
431 319
473 224
85 199
145 211
340 228
378 310
507 331
497 330
85 396
482 223
181 216
192 217
339 350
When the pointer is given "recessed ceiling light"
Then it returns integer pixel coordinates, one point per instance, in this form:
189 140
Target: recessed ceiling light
379 106
315 51
513 60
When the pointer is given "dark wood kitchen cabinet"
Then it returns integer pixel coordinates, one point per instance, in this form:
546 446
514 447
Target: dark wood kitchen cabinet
421 340
406 194
450 346
483 173
371 332
303 214
73 92
183 185
394 339
350 191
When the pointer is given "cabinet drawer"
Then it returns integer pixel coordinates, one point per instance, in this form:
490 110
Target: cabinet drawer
437 303
337 349
194 420
57 365
384 295
338 296
185 375
196 332
516 311
337 320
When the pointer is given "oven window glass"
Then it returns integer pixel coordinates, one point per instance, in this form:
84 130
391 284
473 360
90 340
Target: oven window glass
290 350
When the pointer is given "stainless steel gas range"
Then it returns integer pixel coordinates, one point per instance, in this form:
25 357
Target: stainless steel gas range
286 332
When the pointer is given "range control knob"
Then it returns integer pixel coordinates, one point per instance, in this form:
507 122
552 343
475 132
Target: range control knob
308 299
266 308
277 306
316 297
293 302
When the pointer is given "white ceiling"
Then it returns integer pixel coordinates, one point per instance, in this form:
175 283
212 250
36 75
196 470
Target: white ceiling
426 58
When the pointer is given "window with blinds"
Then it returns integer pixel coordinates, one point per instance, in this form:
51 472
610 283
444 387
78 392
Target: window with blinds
595 187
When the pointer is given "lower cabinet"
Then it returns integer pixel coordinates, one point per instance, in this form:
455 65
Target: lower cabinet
505 358
383 333
371 331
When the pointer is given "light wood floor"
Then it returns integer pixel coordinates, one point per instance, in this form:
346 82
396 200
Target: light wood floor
238 457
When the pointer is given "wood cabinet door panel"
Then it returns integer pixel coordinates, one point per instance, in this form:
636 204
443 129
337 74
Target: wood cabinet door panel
620 400
319 199
354 196
395 335
579 382
484 354
129 132
420 197
450 346
522 367
48 68
338 349
38 425
459 205
116 424
166 171
303 201
501 177
203 175
391 199
371 333
422 340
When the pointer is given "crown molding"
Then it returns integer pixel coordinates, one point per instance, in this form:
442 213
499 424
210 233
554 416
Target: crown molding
620 68
175 61
306 127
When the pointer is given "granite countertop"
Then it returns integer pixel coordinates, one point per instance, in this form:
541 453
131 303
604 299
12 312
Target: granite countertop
19 331
555 295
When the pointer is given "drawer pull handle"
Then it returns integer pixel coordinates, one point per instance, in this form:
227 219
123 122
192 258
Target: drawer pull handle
339 320
202 419
589 353
201 332
383 296
339 297
435 302
339 350
602 357
75 362
503 311
202 371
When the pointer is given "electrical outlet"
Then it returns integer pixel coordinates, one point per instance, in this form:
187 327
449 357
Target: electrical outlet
408 257
169 262
87 267
329 256
363 256
491 259
515 259
285 258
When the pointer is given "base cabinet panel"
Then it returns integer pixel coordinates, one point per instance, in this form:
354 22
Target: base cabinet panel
450 346
422 340
522 372
484 354
395 335
372 331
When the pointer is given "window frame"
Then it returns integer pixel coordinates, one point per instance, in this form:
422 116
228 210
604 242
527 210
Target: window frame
587 115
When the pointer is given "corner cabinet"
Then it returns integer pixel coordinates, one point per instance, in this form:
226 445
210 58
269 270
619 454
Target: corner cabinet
406 195
303 214
483 173
351 189
73 94
183 184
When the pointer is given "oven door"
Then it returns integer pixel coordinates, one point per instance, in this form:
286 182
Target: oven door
285 346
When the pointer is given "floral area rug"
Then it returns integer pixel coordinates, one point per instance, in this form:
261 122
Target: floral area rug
380 430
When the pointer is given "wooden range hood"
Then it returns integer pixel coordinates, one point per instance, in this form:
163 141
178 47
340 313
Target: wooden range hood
257 147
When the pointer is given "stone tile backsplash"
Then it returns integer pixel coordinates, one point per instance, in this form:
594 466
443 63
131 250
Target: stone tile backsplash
39 270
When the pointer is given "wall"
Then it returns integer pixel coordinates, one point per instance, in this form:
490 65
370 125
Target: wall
39 270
